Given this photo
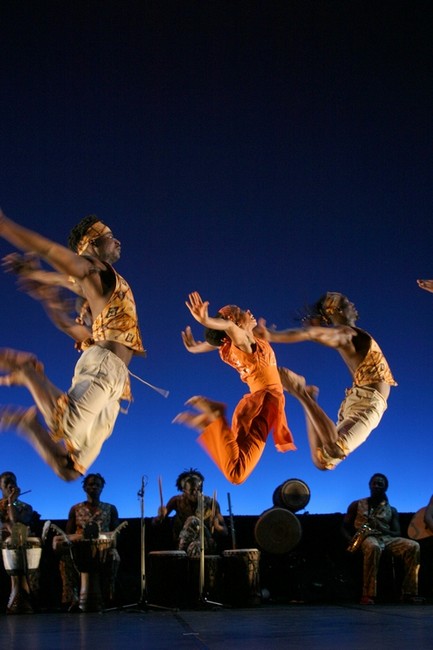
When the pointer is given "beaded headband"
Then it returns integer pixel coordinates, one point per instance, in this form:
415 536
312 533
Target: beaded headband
95 231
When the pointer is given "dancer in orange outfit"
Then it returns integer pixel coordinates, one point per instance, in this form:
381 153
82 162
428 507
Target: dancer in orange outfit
236 450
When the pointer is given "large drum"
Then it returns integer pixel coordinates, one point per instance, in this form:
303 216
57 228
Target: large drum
22 559
168 578
89 556
241 571
293 494
213 579
277 531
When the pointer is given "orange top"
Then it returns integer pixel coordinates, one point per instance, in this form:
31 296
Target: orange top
259 370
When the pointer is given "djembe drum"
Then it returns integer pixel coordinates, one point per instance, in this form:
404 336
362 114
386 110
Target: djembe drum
213 579
90 557
293 494
21 557
168 578
241 571
93 554
277 531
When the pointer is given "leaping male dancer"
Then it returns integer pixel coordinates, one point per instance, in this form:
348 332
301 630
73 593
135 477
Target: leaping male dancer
366 400
80 420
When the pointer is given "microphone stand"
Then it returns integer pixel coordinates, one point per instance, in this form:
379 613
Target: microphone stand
142 604
203 600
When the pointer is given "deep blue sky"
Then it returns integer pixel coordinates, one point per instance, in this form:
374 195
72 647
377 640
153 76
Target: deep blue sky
260 153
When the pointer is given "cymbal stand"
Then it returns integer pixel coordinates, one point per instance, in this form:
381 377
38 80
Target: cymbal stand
203 600
143 604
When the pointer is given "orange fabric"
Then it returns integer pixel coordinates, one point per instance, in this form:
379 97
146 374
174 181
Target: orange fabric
236 450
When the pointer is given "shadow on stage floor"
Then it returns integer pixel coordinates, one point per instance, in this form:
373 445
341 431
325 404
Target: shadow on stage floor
266 626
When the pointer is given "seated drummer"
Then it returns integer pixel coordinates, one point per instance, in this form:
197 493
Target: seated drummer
14 511
81 520
186 524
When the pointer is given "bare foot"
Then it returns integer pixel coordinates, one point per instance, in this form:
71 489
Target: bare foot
293 383
335 450
16 417
330 455
313 391
206 405
12 359
194 421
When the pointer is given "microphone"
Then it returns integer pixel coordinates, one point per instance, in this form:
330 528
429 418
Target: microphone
140 492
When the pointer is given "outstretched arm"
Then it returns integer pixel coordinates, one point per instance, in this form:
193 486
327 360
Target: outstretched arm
333 337
193 346
58 256
28 266
426 284
57 308
199 310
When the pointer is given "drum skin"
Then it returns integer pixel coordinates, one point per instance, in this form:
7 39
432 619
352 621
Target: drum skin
277 531
293 494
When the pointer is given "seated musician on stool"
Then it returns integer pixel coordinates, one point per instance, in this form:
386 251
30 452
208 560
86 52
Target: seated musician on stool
91 511
379 527
186 522
14 511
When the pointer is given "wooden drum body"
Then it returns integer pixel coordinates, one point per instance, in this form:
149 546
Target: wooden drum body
213 579
168 578
241 571
22 559
90 556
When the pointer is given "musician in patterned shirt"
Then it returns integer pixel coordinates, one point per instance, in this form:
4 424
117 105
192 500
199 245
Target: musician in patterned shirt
186 522
106 518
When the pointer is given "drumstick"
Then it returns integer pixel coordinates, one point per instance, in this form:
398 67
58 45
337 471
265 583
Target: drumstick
213 510
26 492
160 491
232 521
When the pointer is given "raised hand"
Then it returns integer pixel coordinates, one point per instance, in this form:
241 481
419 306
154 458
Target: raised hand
192 345
21 264
426 284
198 307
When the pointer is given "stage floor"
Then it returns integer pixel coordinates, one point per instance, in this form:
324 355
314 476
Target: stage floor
270 627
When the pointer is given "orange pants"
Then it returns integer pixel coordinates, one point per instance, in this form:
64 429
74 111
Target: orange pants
236 450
